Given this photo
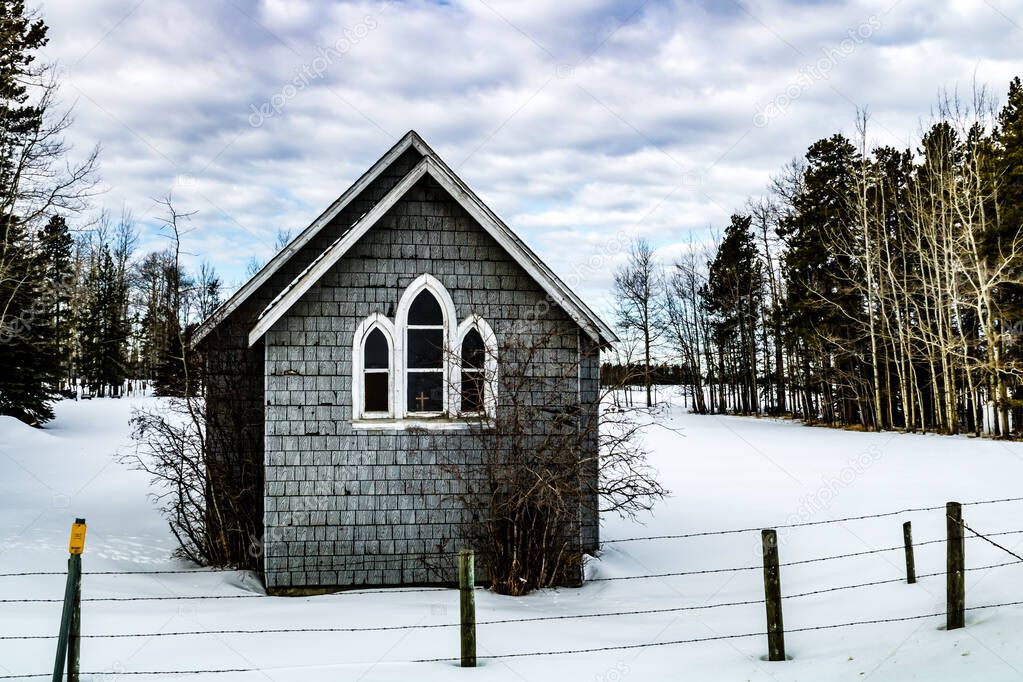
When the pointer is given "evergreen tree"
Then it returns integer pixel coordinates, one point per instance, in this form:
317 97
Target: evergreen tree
104 327
1009 138
888 201
36 180
733 297
56 246
25 383
822 302
27 365
1008 186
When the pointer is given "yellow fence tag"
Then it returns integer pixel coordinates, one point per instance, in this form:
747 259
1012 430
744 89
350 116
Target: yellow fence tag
77 543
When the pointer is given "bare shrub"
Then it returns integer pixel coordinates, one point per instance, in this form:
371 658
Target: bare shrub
550 459
170 446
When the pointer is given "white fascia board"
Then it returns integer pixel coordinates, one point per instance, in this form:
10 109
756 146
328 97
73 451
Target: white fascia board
305 281
557 290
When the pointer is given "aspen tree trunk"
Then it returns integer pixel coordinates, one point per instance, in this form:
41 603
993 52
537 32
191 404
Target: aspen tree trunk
868 263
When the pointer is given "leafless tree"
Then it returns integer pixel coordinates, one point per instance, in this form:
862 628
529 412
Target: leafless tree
685 324
39 176
639 289
200 495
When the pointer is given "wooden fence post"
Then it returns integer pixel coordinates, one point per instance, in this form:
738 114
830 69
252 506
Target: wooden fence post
955 610
772 596
467 606
907 536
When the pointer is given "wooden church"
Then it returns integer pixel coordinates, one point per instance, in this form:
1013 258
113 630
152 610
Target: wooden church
345 372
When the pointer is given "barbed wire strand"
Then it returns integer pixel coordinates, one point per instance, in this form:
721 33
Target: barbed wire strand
399 590
416 626
624 647
621 647
504 621
802 524
798 562
369 563
339 593
990 541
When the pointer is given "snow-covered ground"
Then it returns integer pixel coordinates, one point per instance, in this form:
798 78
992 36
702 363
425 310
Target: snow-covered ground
724 473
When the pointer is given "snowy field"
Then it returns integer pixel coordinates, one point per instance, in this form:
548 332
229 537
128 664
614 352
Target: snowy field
724 473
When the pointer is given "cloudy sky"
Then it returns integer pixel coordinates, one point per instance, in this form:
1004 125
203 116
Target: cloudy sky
573 120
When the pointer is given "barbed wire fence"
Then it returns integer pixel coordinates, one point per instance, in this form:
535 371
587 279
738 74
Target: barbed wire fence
1017 559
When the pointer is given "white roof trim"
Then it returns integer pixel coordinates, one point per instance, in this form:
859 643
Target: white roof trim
504 235
529 261
410 139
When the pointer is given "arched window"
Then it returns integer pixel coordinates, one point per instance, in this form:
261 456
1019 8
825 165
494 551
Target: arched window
423 365
377 373
477 375
373 369
425 356
473 355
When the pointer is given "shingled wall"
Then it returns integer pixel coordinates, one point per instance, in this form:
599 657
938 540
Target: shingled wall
234 378
348 506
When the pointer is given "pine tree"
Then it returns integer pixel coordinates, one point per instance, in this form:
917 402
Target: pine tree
821 303
1009 138
1006 180
56 247
36 181
733 297
27 365
104 327
25 383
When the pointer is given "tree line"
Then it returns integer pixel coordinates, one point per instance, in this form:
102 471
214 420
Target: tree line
80 307
869 287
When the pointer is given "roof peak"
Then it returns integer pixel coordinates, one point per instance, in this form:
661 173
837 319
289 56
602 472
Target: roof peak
411 139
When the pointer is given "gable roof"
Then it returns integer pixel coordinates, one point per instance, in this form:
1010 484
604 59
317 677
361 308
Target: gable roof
409 140
430 165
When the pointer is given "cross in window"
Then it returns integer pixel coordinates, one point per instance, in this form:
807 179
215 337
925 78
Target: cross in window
421 399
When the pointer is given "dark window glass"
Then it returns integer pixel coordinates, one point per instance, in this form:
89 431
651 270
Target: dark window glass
376 356
473 353
472 392
425 391
425 310
376 391
425 348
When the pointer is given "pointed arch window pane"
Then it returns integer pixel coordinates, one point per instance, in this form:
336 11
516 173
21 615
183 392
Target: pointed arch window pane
376 375
376 355
425 310
473 351
473 362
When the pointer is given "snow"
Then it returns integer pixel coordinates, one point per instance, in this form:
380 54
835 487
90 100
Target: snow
724 472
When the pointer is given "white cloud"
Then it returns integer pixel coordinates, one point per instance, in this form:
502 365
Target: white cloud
575 119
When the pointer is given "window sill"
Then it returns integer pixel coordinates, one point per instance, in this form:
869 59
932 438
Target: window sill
412 423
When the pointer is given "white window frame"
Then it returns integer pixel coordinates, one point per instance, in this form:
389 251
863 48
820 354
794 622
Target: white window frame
489 368
425 282
362 332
